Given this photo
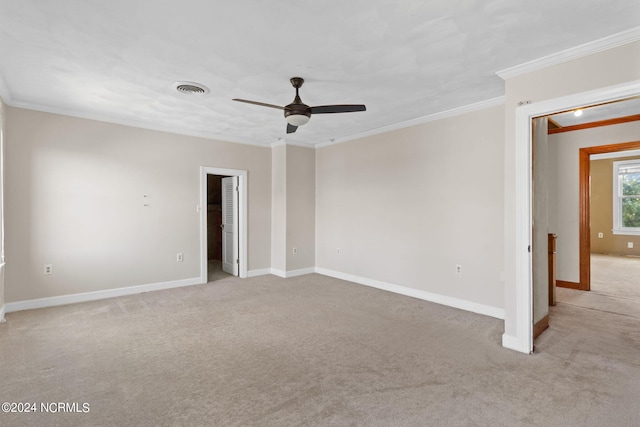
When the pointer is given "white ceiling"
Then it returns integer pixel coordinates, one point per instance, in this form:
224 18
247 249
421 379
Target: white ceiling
117 60
611 110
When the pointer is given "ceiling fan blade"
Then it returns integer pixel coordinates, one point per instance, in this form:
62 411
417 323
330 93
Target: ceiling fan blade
259 103
291 128
326 109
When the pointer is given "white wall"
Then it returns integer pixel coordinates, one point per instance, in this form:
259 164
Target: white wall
565 190
406 206
74 198
606 68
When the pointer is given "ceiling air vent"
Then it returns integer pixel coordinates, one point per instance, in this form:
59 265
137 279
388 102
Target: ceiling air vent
191 88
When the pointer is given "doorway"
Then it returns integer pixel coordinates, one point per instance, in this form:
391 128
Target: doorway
223 223
585 204
569 212
613 273
222 227
521 322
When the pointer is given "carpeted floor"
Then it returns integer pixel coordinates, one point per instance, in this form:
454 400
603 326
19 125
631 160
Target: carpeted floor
315 351
615 286
617 276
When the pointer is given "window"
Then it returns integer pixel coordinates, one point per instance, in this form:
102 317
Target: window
626 197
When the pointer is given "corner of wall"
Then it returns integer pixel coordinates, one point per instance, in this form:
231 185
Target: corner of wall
5 95
511 342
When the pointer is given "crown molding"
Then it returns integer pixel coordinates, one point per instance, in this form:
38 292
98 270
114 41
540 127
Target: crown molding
132 123
579 51
124 122
282 141
300 144
278 143
493 102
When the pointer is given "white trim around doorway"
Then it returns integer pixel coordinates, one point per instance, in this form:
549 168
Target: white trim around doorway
523 340
242 217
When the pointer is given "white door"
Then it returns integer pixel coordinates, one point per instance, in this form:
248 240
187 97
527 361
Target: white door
229 225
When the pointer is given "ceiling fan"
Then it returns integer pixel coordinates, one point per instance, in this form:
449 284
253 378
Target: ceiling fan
297 113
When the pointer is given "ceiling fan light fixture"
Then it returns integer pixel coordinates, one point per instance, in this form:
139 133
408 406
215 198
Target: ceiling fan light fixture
298 113
297 119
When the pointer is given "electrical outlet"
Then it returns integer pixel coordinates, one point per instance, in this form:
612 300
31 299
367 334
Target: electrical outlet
630 245
179 257
47 269
458 269
338 251
600 235
295 251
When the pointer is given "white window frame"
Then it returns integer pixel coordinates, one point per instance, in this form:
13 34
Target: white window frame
617 200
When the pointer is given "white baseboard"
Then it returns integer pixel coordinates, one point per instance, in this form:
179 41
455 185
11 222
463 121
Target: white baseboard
278 272
486 310
300 272
508 341
291 273
131 290
2 311
258 272
97 295
511 342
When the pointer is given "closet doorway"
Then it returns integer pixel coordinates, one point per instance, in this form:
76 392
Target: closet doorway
223 223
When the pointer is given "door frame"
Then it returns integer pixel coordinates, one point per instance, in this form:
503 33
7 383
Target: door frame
242 218
522 191
585 204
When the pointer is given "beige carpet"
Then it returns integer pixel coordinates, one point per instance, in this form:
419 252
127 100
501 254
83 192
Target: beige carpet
617 276
615 286
314 351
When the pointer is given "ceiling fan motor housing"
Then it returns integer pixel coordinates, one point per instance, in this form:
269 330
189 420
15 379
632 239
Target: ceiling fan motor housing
296 109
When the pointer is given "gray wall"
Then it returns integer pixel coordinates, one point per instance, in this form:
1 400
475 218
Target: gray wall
279 208
293 211
406 206
301 215
2 131
74 198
